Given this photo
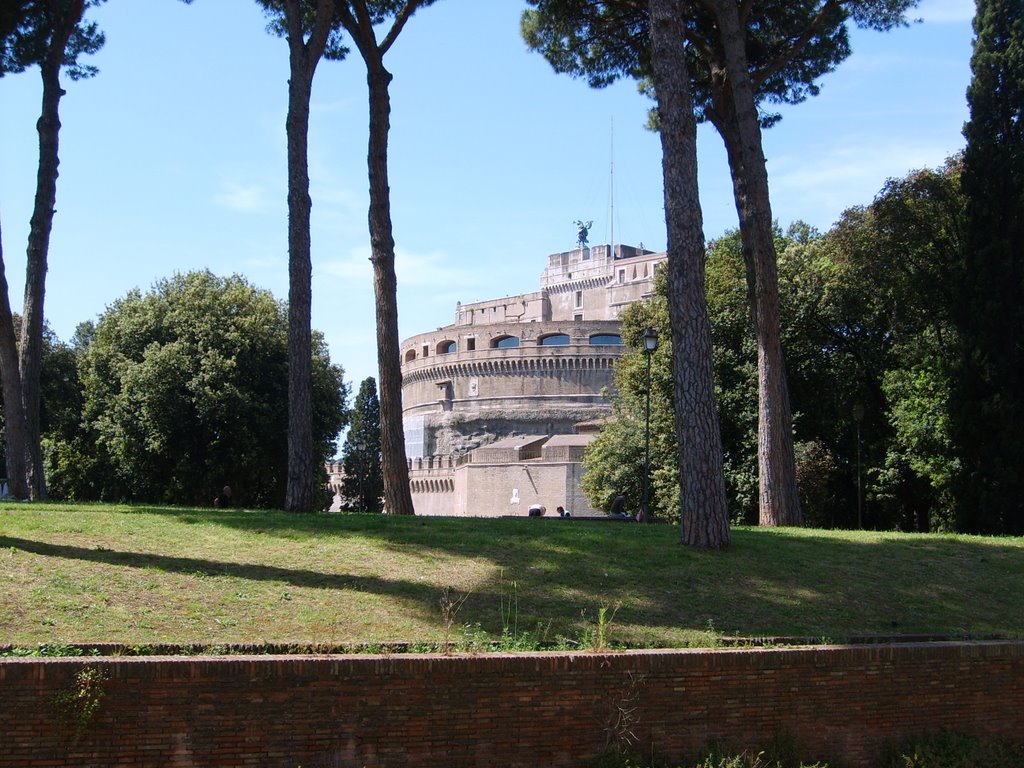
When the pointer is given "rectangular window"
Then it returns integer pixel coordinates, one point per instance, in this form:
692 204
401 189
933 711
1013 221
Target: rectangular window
577 318
622 276
579 299
426 349
470 344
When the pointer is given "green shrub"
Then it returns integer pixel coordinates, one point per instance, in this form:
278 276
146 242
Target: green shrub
952 750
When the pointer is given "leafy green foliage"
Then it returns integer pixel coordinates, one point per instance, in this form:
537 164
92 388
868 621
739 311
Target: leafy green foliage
614 461
867 330
334 48
28 27
185 391
735 361
952 750
362 488
79 704
867 319
61 400
789 44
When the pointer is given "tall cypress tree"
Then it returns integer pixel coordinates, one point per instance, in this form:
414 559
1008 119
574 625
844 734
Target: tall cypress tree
988 405
363 486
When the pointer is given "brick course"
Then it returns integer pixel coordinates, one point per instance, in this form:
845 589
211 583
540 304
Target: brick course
542 709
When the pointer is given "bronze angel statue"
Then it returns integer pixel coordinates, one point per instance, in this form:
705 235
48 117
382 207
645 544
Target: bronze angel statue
583 232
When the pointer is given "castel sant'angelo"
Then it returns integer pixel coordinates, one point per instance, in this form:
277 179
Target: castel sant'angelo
498 406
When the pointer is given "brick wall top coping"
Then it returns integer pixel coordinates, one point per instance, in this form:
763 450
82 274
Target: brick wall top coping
653 661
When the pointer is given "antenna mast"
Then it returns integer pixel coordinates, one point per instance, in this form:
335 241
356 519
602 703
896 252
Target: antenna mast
611 185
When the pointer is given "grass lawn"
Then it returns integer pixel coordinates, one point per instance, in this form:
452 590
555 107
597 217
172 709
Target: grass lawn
139 575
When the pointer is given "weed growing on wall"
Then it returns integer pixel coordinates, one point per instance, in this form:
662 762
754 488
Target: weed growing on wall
450 607
598 637
77 705
46 650
509 608
623 716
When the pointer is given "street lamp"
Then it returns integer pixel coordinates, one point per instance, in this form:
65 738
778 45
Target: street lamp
650 337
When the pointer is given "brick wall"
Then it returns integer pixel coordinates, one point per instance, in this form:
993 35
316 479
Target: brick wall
545 709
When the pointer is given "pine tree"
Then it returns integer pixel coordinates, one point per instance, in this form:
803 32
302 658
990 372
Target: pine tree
988 405
51 36
362 488
364 20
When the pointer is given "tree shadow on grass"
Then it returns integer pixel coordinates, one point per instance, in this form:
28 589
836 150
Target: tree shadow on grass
769 582
417 593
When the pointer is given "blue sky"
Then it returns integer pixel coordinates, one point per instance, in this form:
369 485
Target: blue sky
173 158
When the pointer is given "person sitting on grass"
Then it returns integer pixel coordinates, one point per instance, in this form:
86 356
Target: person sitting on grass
618 507
224 499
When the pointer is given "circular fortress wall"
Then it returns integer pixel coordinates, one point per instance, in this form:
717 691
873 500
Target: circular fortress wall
464 386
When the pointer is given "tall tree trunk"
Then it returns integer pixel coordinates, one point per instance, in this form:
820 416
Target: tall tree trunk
15 437
41 225
300 493
397 495
778 499
704 513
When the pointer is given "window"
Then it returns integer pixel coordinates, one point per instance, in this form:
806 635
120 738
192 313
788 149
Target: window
505 342
555 340
471 344
622 275
426 350
410 355
605 338
447 347
579 299
577 318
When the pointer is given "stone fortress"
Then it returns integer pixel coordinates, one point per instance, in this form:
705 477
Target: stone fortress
498 407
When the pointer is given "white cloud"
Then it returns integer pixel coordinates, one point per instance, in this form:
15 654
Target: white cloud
819 187
432 270
945 11
354 266
335 198
872 63
245 198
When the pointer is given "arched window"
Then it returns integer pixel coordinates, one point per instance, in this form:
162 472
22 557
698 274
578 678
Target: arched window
447 347
505 342
605 338
555 340
410 355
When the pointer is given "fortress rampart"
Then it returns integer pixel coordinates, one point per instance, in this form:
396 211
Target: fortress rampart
533 364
